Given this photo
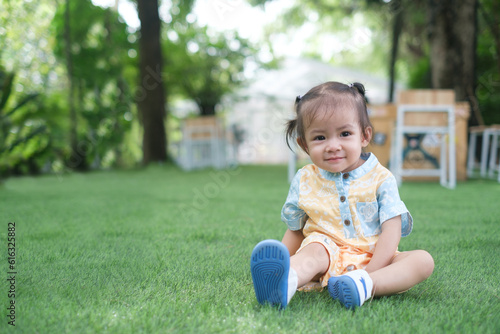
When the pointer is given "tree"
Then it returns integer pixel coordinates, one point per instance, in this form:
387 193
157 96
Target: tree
151 100
76 159
453 41
93 44
203 67
364 34
452 37
397 26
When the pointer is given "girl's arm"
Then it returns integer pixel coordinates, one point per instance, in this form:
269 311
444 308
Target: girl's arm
292 240
387 244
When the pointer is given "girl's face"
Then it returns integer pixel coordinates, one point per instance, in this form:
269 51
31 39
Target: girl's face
334 141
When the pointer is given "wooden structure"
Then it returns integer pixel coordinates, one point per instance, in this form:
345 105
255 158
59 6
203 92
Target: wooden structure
409 138
488 162
204 144
383 118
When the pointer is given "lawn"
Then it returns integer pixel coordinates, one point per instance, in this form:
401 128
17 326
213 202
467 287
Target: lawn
163 251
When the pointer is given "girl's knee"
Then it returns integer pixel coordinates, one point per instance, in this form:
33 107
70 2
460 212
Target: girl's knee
320 254
420 261
426 263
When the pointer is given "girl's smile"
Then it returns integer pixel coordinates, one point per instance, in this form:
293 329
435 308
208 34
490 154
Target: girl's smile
334 141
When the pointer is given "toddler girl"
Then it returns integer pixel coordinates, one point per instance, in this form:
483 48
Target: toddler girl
343 212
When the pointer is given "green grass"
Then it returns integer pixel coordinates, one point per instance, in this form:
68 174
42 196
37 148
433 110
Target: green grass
162 251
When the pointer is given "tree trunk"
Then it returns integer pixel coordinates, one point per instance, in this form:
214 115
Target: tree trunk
151 95
117 112
76 161
397 26
453 38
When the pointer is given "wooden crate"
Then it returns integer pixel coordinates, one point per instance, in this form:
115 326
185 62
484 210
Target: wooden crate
204 127
383 118
203 143
426 96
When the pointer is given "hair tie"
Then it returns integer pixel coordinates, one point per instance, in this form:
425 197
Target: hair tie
351 85
298 98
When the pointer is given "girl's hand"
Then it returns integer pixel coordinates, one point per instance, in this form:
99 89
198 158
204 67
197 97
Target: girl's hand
387 244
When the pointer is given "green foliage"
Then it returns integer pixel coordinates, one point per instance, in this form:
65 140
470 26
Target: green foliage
25 46
23 132
205 67
348 33
177 260
100 46
199 64
180 9
99 42
341 18
416 58
32 123
106 77
488 63
419 77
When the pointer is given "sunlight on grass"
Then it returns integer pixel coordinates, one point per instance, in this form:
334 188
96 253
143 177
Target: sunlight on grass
117 252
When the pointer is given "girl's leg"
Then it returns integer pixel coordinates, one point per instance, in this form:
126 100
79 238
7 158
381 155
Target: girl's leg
310 263
276 276
406 270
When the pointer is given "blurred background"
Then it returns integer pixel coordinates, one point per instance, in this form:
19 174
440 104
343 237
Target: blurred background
103 84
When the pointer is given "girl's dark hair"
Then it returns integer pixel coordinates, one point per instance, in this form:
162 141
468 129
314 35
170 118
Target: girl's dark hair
327 97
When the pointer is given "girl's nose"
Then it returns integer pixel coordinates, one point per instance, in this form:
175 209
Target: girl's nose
333 144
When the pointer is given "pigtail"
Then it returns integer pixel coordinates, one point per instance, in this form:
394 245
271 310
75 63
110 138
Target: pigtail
363 116
291 125
360 88
290 131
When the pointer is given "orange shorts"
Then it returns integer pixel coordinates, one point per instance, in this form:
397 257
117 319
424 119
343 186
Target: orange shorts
342 259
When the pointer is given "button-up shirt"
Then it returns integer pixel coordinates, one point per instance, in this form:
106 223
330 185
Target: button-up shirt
349 208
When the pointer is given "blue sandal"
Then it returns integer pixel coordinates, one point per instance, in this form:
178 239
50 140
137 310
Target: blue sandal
344 289
270 264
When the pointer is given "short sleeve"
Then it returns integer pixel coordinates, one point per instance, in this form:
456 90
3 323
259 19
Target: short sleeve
291 214
391 205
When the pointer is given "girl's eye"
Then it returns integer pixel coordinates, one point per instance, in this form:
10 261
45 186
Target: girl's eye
319 138
345 134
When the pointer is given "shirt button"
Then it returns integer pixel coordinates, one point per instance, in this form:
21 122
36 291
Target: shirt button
345 176
347 222
342 198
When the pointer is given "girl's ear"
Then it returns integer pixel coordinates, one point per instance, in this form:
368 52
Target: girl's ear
367 137
302 143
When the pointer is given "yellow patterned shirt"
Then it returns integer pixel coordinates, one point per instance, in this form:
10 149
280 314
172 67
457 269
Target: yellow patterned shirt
349 208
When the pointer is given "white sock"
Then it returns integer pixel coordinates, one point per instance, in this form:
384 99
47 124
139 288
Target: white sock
365 290
293 281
